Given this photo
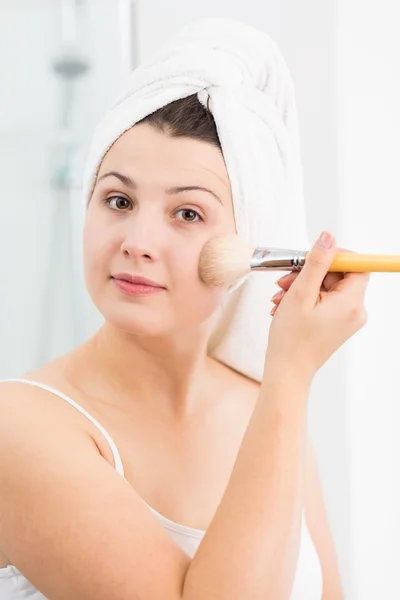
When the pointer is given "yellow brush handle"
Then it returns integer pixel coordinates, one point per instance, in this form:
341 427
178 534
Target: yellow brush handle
365 263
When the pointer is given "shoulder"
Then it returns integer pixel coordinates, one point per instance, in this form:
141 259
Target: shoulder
26 394
68 521
237 394
233 380
30 413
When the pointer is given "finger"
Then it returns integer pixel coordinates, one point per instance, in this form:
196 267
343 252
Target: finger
277 300
353 283
310 280
278 296
330 280
286 281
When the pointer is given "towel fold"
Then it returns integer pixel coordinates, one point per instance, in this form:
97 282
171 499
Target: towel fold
239 73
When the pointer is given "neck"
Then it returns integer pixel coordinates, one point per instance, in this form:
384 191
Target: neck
170 372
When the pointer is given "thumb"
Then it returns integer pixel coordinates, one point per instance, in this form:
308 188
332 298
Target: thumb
316 267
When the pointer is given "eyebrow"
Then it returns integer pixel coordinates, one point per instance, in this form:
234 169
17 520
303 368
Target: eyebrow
170 191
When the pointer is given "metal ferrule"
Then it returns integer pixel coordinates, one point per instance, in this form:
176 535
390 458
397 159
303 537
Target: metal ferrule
277 259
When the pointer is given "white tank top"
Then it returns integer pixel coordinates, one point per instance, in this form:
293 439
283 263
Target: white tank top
308 580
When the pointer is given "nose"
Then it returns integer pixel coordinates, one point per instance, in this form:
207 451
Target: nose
142 238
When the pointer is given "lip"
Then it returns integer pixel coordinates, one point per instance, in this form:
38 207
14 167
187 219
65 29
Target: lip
136 285
137 280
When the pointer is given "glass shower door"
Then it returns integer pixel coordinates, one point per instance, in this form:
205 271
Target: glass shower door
65 61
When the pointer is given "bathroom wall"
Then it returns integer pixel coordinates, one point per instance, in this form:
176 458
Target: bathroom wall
368 97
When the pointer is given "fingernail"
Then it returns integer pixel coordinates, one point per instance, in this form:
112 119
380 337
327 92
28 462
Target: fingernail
325 240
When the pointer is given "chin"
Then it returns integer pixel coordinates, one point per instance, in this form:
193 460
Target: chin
148 325
155 324
154 318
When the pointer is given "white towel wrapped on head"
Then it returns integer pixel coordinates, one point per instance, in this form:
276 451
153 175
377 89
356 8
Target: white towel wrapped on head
239 73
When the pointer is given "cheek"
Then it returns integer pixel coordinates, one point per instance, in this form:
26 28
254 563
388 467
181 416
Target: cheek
183 259
90 243
95 251
195 297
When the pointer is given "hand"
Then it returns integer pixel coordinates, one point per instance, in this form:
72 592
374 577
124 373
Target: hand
316 312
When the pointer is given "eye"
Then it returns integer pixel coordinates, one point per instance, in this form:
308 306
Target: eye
118 203
189 215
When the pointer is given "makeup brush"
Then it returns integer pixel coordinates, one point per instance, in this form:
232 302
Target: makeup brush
224 260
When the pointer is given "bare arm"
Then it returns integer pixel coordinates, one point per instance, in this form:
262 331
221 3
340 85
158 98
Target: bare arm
251 548
76 529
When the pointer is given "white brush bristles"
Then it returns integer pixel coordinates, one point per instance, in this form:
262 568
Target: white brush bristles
225 259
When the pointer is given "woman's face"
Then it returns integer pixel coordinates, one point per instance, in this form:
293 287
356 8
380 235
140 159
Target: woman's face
146 218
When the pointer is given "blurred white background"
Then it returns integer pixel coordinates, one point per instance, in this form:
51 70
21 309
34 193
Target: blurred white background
61 66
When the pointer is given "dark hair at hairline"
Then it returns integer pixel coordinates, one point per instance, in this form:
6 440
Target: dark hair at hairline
185 117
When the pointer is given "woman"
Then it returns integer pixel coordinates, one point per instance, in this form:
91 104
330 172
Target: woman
137 466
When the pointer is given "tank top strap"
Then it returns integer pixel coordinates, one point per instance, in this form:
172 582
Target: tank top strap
114 450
